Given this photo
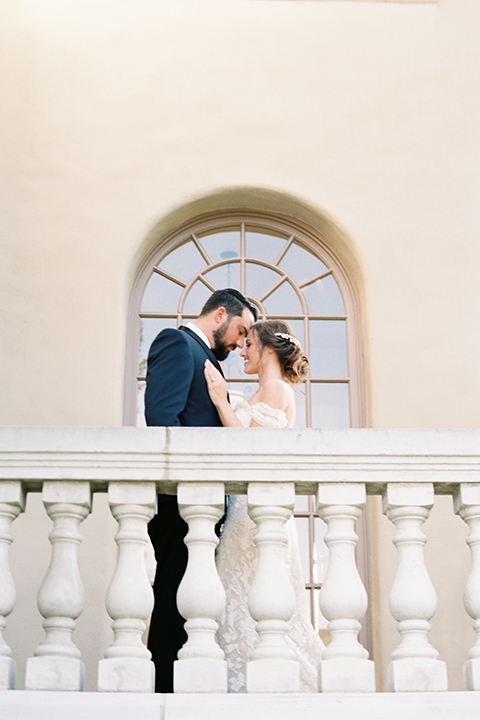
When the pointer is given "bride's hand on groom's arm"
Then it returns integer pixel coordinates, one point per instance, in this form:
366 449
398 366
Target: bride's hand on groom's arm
216 384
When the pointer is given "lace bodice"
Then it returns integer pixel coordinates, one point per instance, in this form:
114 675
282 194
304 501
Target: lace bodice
263 414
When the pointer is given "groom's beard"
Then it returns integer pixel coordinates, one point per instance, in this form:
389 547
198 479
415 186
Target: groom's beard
220 350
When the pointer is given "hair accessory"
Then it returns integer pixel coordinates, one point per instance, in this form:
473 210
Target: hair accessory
288 338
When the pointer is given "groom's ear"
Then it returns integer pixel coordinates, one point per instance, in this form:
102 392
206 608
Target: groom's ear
220 314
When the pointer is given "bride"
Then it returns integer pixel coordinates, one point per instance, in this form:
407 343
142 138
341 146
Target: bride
275 355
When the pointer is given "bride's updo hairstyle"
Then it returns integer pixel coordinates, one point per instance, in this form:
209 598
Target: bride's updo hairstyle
277 335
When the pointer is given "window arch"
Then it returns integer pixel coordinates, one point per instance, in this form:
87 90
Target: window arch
289 271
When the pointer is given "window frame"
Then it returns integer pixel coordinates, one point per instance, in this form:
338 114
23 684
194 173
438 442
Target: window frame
310 238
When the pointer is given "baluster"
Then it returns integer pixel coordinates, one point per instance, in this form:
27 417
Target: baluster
467 504
201 664
413 601
127 666
12 503
272 666
56 664
345 666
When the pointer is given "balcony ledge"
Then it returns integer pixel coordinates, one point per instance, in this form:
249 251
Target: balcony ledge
30 705
235 456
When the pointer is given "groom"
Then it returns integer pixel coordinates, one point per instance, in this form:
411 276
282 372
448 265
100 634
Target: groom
177 395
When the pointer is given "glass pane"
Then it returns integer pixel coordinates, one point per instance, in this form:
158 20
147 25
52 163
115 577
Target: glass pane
225 276
320 552
328 348
300 407
196 298
161 295
303 545
258 279
283 301
141 404
301 264
263 244
221 245
301 503
241 391
233 365
330 405
324 298
320 623
310 604
183 262
149 329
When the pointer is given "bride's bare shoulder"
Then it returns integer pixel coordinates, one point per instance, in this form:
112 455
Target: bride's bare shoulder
276 393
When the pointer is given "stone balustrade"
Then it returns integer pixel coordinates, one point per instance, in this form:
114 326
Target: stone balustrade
201 465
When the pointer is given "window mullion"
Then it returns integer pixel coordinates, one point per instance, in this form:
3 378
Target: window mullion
242 258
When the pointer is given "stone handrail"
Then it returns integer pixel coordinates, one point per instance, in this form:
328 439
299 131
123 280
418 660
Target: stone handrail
201 465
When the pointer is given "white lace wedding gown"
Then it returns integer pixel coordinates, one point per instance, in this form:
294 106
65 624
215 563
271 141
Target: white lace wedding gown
236 562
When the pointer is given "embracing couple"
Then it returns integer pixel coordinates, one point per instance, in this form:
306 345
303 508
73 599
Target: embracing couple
186 387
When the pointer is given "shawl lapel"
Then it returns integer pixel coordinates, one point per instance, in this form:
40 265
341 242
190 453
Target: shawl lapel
204 347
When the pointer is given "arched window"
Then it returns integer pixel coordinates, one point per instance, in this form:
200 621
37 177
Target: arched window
289 272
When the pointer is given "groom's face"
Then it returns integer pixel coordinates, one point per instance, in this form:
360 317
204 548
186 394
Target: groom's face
231 334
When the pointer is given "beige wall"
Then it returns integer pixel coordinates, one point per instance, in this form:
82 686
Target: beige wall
113 117
116 114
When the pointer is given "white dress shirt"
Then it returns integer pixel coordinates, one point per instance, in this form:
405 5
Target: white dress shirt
191 326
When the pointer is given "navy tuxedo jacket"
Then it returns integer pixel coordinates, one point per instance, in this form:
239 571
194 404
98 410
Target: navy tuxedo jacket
176 392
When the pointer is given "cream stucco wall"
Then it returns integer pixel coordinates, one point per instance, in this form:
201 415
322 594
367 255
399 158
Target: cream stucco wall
117 115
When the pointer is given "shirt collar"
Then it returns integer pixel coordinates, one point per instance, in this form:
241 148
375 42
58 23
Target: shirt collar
200 333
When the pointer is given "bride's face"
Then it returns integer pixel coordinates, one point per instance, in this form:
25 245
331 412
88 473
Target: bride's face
251 354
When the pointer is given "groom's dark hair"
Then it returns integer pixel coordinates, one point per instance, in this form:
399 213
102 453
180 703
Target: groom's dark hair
232 300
